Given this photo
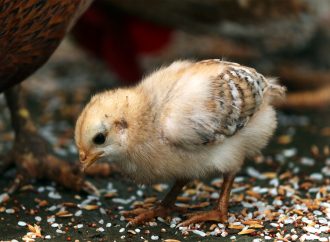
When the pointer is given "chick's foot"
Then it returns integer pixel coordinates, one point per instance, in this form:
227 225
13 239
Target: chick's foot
210 216
162 210
143 215
218 214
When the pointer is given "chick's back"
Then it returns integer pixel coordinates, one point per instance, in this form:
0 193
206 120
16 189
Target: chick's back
209 101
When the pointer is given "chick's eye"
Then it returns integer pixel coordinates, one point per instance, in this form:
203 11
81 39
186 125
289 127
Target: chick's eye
99 139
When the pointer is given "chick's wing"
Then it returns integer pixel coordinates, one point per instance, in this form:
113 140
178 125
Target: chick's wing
209 102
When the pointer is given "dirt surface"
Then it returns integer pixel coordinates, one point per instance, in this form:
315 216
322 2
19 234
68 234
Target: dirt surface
284 194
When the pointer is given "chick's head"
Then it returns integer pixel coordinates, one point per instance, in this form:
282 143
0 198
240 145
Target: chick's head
100 131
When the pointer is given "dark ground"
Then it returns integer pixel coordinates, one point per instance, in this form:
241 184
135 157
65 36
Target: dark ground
282 195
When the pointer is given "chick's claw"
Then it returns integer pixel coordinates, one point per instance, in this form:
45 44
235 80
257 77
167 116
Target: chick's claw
146 215
143 215
213 215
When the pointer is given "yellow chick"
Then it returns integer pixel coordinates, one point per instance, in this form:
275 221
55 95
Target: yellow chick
185 121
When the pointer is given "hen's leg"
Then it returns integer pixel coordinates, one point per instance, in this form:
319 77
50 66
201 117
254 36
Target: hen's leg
31 153
220 213
162 210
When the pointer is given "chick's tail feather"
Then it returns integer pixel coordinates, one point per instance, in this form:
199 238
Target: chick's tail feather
274 92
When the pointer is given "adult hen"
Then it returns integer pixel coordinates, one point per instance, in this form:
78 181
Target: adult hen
185 121
30 32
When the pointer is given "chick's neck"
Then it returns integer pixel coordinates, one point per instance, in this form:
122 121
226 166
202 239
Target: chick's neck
141 130
139 115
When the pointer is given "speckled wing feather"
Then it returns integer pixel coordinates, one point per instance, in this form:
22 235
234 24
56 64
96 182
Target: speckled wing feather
229 94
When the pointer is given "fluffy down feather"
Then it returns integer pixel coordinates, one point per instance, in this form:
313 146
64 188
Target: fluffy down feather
183 121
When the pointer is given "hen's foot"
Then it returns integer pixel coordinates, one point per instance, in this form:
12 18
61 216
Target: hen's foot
31 153
143 215
33 161
213 215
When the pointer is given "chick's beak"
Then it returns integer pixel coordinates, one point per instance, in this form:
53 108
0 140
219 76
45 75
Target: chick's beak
87 160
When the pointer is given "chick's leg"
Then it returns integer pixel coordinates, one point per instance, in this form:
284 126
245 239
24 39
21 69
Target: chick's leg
31 154
162 210
219 213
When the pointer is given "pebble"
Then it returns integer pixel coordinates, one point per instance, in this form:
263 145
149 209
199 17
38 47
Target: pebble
154 237
323 239
52 208
234 190
316 176
322 220
54 195
251 171
275 225
199 232
51 219
274 182
294 237
103 211
317 212
78 213
10 211
214 195
260 190
100 229
288 221
21 223
326 170
289 152
124 201
224 233
307 161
